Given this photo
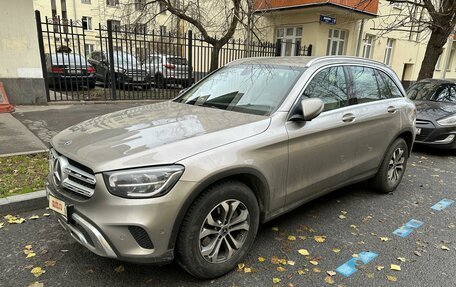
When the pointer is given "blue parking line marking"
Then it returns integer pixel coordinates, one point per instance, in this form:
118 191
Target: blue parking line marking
441 205
407 228
349 267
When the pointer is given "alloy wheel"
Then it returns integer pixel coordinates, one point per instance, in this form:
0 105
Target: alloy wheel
396 165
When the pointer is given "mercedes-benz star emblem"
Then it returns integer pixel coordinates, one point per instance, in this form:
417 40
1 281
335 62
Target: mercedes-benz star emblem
68 142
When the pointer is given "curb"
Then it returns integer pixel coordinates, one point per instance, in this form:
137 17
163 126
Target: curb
105 102
23 202
24 153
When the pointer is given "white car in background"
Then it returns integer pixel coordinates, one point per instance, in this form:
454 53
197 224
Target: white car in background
168 69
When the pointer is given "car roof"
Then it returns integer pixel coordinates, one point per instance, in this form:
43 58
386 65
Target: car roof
436 81
306 61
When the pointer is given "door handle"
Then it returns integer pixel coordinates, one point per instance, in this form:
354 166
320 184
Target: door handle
348 118
391 109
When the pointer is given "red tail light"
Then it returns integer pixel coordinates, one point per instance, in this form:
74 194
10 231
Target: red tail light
91 70
58 70
169 66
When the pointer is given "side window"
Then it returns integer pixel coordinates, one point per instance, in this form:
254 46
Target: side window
393 90
364 85
330 86
453 94
442 94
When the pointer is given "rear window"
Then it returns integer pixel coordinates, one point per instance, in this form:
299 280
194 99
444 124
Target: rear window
63 58
177 61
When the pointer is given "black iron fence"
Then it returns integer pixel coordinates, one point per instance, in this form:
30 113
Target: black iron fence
116 62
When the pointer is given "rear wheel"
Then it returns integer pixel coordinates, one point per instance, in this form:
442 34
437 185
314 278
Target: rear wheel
218 230
159 81
393 167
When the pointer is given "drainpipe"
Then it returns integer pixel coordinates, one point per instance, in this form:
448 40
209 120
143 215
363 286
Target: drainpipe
74 11
360 36
449 46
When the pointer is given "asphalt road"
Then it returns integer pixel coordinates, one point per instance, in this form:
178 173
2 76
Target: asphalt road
369 216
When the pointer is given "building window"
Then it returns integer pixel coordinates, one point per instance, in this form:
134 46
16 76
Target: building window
367 46
290 38
450 61
86 1
139 5
162 7
115 24
88 49
86 23
162 30
336 42
388 51
437 65
112 2
141 28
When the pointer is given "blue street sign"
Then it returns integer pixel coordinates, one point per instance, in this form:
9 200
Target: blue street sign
327 19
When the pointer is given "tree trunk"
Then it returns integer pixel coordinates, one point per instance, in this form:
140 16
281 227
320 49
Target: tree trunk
434 49
215 57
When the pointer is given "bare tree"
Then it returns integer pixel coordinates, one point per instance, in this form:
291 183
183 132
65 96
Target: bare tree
437 17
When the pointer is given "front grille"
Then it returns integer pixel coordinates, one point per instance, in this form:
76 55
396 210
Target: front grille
141 237
71 176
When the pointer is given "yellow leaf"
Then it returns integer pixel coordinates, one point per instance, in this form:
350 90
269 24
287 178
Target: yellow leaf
316 270
275 280
379 267
16 221
49 263
331 273
36 284
282 261
247 270
37 271
28 247
320 238
241 266
402 259
31 254
261 259
303 252
336 250
119 269
291 262
445 248
291 237
301 272
2 224
384 239
9 216
342 216
280 269
33 217
343 212
302 237
46 214
313 262
275 228
329 280
355 255
391 278
395 267
370 275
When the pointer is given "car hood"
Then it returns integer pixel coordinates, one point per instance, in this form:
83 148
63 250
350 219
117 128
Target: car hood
432 110
154 134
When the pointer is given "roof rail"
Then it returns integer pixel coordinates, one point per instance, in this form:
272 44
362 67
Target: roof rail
328 58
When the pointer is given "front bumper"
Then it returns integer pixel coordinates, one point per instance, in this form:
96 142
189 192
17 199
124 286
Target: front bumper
435 136
105 224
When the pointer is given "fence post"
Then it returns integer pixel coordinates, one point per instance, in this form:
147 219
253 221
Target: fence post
190 57
39 30
111 61
309 50
278 48
298 48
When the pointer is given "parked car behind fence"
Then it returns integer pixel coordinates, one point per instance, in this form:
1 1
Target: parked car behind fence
168 69
66 71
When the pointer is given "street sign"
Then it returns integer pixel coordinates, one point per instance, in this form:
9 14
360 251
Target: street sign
327 19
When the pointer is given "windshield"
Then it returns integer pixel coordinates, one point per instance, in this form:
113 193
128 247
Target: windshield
248 88
422 91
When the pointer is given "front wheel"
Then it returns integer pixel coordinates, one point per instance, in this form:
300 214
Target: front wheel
393 167
218 230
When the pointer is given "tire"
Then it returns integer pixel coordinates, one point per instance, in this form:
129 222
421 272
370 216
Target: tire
392 168
91 85
159 81
190 247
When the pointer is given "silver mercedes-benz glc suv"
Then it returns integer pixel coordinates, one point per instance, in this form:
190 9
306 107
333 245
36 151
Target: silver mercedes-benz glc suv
192 178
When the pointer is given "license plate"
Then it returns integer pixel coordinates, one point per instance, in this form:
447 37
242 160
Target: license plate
418 131
57 205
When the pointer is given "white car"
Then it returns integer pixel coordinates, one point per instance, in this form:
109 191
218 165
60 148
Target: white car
168 69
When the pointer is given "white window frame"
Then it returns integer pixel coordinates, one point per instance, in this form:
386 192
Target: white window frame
86 1
389 51
439 60
450 60
88 49
112 3
368 46
336 41
292 39
88 20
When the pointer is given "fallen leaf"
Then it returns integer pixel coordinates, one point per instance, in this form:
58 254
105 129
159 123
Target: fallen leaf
384 239
28 267
370 275
353 226
302 237
329 280
402 259
282 261
313 262
119 269
36 284
320 238
46 214
301 272
241 266
331 273
336 250
343 212
291 262
16 221
417 253
33 217
49 263
261 259
303 252
9 216
280 269
247 270
342 216
2 224
275 228
28 247
31 254
391 278
275 280
316 270
37 271
291 237
380 268
64 250
445 248
395 267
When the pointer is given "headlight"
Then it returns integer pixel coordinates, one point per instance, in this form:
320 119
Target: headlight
448 121
143 182
119 70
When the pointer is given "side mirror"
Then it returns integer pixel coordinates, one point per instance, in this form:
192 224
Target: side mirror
311 108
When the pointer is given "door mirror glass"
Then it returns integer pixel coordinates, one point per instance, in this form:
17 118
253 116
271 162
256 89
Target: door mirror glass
311 108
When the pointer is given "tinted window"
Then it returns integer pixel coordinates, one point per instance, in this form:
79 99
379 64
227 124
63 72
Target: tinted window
387 86
453 94
330 86
442 94
364 85
177 61
422 91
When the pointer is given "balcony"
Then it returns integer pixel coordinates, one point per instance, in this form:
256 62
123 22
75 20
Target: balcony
361 6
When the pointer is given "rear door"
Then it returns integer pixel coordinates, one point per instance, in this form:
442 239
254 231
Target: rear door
321 151
375 102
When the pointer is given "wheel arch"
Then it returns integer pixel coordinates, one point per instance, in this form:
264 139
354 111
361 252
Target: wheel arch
251 177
